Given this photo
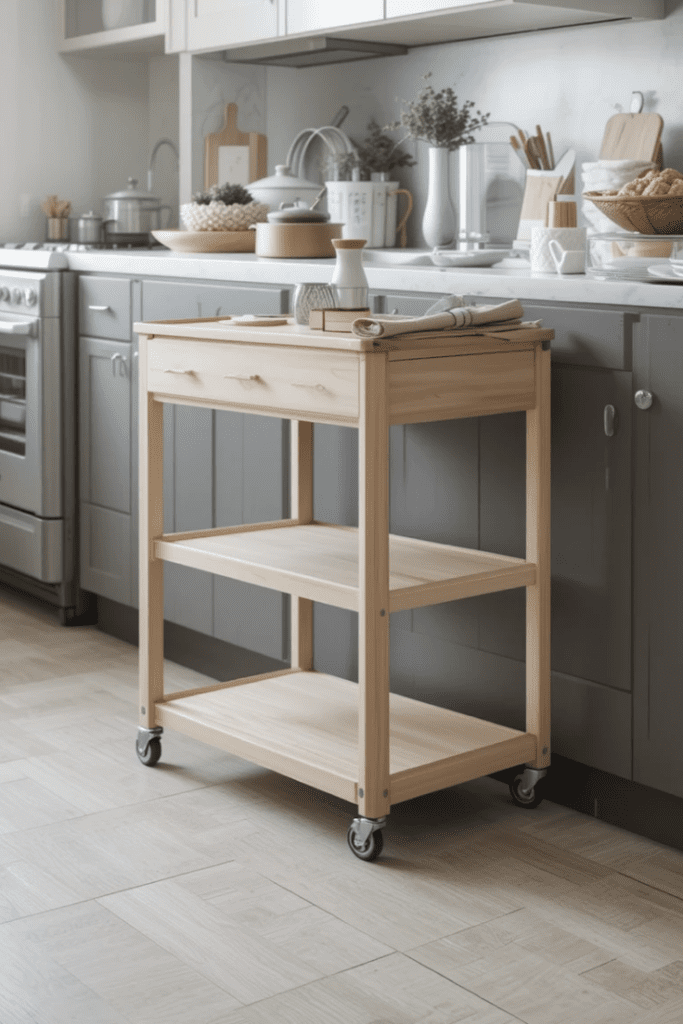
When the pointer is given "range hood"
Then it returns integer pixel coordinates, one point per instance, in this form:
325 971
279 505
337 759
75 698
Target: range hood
309 52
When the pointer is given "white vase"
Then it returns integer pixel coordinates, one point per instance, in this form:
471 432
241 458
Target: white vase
439 221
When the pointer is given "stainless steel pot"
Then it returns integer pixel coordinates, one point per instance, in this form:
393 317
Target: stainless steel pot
88 229
132 213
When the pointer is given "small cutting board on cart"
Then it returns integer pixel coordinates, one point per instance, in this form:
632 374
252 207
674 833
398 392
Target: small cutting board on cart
632 137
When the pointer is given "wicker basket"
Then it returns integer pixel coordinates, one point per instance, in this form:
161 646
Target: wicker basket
649 215
219 217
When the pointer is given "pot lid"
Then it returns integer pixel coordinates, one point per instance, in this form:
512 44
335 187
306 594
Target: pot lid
132 192
89 216
297 212
283 178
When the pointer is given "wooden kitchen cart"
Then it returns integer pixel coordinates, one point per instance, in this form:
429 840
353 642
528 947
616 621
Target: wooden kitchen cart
358 742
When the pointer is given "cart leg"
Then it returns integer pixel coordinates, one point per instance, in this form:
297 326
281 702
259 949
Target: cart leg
538 551
301 508
151 568
373 590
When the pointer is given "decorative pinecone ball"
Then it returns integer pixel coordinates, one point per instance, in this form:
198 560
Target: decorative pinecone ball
222 208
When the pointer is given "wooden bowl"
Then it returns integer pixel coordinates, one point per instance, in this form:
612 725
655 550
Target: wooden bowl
297 241
207 241
648 215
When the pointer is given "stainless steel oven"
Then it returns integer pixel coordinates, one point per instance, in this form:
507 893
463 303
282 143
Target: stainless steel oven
38 436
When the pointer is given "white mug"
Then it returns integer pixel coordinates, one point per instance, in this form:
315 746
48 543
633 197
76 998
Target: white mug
567 261
540 257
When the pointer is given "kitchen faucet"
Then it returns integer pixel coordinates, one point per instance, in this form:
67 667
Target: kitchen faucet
160 143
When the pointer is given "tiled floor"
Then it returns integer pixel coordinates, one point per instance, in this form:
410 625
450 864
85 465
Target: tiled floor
210 891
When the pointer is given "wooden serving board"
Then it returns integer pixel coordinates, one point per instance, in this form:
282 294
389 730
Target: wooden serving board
234 156
632 137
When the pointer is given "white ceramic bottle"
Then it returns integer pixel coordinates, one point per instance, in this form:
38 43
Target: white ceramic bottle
349 280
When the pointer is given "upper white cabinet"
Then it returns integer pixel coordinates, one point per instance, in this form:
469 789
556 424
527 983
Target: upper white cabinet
421 22
128 26
313 15
217 24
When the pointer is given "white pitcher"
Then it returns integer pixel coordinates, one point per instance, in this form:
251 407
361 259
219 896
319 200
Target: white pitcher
368 209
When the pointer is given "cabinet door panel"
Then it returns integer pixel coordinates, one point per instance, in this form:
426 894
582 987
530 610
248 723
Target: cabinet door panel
105 555
658 557
214 24
246 615
189 594
105 423
590 524
310 15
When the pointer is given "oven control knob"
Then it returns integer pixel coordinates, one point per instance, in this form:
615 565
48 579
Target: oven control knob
4 294
30 297
16 296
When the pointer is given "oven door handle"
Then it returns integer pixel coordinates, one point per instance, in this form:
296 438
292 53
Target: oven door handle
17 326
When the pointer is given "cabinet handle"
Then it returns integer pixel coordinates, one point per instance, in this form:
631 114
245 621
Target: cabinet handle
644 399
99 309
302 384
242 376
118 360
610 420
190 373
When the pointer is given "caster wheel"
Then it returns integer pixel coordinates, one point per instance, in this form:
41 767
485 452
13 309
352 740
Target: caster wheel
524 797
150 754
370 849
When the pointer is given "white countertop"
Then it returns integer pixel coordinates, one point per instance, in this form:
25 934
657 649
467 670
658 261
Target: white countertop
505 280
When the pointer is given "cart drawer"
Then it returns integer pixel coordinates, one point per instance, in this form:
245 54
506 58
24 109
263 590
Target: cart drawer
317 384
451 387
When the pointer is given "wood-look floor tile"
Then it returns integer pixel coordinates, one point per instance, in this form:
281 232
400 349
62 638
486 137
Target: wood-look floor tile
245 964
394 990
646 989
34 989
531 988
144 982
24 804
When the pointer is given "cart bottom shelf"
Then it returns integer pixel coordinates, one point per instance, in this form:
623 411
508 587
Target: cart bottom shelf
305 726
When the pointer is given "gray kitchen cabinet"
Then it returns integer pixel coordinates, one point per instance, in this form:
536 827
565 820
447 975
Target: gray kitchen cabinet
658 554
105 369
226 469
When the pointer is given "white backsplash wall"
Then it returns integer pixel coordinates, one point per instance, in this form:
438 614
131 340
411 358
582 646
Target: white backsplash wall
76 126
570 81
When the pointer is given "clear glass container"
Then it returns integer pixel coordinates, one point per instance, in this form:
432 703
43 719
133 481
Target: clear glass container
626 257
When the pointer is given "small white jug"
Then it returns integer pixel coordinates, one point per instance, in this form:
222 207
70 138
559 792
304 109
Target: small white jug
567 261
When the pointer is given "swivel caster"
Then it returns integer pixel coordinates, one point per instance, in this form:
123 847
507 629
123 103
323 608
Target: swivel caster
365 837
148 745
528 789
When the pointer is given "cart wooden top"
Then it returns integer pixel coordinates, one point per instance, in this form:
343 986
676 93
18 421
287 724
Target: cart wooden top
293 335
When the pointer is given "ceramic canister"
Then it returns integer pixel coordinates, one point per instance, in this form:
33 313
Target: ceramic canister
540 257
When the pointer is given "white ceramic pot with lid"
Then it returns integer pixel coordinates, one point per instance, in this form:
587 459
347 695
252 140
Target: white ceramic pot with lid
283 187
132 213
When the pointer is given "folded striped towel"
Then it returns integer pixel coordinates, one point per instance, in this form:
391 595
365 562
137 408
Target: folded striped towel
450 321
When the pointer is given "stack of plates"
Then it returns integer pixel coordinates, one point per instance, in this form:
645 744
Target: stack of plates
671 271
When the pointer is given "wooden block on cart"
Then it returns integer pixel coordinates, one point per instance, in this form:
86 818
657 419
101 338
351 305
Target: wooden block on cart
338 320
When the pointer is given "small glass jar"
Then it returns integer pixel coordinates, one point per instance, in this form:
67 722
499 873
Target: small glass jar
626 257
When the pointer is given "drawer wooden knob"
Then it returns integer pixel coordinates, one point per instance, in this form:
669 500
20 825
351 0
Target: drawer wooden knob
242 376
